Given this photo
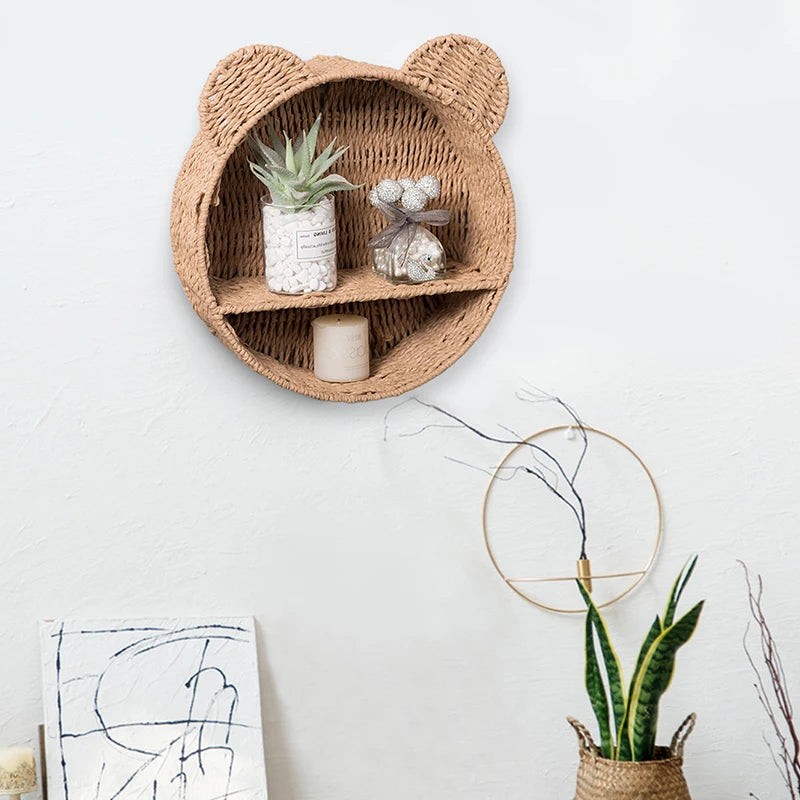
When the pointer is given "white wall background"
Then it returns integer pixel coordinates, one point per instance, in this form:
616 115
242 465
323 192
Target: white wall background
653 151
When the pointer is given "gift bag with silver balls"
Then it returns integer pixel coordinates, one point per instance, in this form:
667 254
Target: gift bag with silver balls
404 251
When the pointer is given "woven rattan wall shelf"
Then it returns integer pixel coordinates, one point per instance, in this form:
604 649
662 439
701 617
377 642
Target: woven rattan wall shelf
436 114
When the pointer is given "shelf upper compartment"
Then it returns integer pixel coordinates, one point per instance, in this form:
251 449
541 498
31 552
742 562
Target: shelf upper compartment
242 295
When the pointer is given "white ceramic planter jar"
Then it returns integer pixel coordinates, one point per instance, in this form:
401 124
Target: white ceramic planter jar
299 247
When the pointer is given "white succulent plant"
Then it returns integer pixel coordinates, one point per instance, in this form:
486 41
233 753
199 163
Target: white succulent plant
294 174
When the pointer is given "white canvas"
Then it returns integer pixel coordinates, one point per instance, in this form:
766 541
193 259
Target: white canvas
157 709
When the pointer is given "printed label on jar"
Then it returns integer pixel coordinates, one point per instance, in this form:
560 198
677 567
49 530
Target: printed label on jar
317 243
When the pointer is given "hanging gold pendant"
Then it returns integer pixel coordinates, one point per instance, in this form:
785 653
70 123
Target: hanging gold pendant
585 573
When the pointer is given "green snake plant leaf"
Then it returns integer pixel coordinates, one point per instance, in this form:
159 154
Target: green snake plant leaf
655 675
624 750
677 591
597 691
612 665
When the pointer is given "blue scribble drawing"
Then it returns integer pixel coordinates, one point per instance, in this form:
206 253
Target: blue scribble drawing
153 710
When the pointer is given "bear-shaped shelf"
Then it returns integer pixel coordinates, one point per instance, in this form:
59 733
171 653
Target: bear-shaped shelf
435 115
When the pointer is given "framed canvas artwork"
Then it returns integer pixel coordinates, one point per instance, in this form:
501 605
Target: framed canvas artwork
156 709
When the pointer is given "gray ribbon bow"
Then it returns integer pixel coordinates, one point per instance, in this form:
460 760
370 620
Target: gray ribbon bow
401 226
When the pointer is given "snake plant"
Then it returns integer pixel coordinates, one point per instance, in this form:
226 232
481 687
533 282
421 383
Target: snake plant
628 721
293 173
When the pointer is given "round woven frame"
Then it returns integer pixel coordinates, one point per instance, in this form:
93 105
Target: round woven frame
435 115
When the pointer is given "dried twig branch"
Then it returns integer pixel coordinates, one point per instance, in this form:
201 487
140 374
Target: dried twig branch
773 692
545 467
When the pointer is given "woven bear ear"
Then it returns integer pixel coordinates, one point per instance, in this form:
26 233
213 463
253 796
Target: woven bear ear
242 86
463 72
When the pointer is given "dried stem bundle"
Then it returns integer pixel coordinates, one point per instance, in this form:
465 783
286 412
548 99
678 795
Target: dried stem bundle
544 467
773 691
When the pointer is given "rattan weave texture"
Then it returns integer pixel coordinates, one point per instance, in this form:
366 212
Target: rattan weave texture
660 779
436 114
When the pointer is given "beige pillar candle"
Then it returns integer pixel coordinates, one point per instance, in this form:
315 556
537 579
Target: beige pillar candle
17 771
341 348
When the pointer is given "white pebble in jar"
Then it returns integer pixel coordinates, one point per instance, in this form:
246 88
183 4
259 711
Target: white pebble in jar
299 248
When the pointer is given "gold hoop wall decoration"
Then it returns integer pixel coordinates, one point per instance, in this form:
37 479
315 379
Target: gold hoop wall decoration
583 566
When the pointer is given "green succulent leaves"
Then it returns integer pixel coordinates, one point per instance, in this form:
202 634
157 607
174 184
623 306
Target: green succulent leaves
635 715
292 172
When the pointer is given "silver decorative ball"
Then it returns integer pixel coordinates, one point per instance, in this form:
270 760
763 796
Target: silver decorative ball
375 197
389 191
413 199
407 183
431 185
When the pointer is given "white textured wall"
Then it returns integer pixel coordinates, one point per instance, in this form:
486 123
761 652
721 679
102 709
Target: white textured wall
653 151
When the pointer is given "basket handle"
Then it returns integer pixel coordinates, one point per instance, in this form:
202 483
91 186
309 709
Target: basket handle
675 748
584 737
681 735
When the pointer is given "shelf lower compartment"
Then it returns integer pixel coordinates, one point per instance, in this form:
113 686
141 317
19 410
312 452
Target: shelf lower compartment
413 341
243 295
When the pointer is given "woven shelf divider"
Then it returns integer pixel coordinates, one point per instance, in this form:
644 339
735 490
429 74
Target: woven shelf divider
435 115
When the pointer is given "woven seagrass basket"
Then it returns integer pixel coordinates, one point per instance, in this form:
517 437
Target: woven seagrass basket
436 114
661 779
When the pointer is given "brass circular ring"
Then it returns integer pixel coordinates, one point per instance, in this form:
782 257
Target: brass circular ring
639 576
